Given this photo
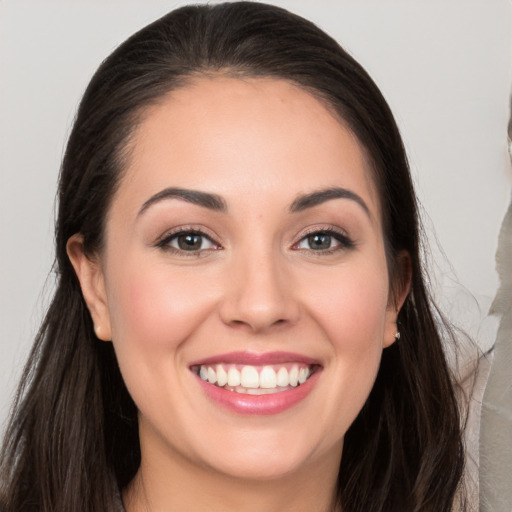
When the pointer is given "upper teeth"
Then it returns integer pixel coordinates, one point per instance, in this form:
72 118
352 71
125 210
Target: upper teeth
252 377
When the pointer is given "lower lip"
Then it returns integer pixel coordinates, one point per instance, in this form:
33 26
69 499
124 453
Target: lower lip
274 403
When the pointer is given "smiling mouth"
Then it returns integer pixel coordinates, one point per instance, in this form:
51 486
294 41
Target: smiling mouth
255 380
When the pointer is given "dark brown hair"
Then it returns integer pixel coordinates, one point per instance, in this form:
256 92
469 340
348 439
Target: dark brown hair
72 441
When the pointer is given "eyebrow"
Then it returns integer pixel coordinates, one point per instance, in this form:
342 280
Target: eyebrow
306 201
206 200
217 203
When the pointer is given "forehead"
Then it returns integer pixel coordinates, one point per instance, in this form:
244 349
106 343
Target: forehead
253 135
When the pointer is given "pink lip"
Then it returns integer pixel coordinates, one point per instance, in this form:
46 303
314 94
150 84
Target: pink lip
255 359
241 403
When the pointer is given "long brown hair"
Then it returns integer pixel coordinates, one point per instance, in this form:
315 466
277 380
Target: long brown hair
72 441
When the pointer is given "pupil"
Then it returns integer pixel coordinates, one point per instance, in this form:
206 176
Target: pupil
190 242
319 241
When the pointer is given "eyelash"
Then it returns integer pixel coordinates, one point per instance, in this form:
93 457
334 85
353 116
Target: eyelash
344 242
164 244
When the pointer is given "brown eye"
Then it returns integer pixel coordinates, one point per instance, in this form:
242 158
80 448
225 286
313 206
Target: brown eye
188 241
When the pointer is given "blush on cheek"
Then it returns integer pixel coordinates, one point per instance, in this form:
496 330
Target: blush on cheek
357 311
161 310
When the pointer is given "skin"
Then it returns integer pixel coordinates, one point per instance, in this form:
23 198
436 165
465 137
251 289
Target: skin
258 286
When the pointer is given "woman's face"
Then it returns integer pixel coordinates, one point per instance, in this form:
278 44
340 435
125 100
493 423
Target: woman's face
243 281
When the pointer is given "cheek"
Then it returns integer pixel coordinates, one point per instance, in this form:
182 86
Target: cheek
353 306
352 315
156 308
153 314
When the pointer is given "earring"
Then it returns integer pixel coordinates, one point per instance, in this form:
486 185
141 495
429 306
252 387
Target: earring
397 336
97 330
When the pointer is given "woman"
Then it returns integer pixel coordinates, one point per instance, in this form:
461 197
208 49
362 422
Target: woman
241 321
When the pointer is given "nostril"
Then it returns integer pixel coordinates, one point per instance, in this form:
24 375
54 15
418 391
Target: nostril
257 324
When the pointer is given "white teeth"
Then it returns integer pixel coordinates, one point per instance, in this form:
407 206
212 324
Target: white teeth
283 379
303 375
222 376
294 375
233 377
212 376
268 378
249 377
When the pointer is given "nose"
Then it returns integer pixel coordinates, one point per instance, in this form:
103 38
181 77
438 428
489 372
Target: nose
259 294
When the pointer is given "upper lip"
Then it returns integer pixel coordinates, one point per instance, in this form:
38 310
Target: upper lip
256 359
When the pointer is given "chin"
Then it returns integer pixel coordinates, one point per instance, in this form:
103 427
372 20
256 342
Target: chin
262 468
267 457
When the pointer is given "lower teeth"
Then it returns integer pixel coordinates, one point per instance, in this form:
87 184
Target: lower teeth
258 391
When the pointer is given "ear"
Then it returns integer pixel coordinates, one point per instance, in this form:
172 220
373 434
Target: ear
399 290
92 281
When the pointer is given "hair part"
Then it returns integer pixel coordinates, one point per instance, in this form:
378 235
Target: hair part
73 438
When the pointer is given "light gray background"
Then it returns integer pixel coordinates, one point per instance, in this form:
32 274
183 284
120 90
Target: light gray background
444 66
